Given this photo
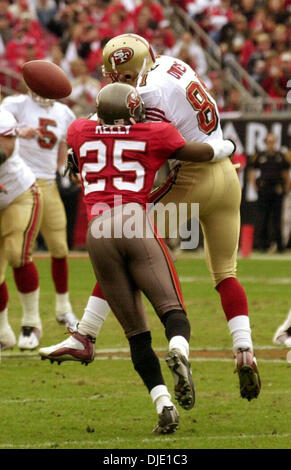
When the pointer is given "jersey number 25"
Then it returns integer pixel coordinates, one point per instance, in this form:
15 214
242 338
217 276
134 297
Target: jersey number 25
102 160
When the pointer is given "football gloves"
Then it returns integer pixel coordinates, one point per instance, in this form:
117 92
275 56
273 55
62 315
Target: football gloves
71 166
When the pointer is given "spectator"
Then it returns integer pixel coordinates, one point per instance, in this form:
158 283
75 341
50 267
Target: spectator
192 52
142 24
270 186
270 24
84 88
248 8
233 100
275 82
18 49
258 23
57 57
5 31
279 38
61 23
45 10
217 89
276 8
157 14
262 52
20 7
219 15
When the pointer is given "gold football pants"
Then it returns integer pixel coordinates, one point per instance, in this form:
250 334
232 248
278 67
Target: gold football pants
215 187
19 226
54 222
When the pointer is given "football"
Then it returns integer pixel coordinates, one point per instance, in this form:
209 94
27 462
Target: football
46 79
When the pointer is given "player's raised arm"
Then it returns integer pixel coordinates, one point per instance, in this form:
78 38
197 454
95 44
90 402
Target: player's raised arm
199 152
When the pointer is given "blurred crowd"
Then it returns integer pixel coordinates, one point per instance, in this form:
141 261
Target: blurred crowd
257 33
72 34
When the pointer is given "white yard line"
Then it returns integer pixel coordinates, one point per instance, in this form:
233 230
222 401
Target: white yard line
127 358
198 254
153 440
20 401
117 351
244 279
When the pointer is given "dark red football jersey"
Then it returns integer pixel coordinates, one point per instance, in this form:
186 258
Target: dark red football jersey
120 160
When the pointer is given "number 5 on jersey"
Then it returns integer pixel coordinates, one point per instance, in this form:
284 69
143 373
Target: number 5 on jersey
117 161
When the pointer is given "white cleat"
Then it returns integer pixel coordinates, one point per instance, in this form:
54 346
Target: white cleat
69 319
77 347
283 333
7 338
29 337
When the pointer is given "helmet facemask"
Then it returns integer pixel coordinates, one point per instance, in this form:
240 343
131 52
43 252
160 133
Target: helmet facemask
43 102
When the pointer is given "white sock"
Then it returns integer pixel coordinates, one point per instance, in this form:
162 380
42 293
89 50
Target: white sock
29 303
240 331
180 343
161 397
63 304
94 316
4 319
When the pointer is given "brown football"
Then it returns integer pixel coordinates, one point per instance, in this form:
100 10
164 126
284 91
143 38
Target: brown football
46 79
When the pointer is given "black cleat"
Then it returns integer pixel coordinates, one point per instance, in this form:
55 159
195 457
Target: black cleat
182 374
249 379
168 421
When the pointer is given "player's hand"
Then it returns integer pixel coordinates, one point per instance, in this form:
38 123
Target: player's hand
71 165
222 149
29 132
76 180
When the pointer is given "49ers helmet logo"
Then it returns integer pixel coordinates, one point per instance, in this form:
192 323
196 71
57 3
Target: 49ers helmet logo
121 56
133 101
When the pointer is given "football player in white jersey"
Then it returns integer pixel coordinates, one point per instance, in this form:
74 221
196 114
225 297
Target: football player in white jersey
42 125
173 92
20 216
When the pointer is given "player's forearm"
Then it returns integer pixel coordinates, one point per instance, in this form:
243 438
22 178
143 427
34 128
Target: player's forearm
194 152
6 148
62 155
214 151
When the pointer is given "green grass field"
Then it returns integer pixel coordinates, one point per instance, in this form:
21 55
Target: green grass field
105 405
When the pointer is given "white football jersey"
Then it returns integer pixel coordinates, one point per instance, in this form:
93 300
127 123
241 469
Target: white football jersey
15 175
40 153
173 92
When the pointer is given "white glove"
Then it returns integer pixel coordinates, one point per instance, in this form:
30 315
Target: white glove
222 149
